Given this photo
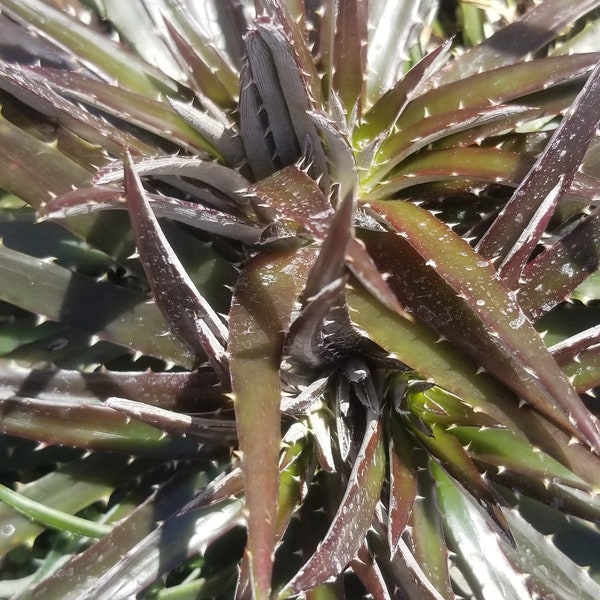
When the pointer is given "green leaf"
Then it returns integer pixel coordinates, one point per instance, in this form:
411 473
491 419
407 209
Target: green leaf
427 541
199 74
552 572
383 114
111 312
508 451
135 25
482 558
69 489
462 164
395 29
50 517
460 295
498 86
397 147
35 181
457 462
90 47
146 543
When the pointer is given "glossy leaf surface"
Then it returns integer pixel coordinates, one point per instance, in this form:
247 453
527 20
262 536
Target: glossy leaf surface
261 311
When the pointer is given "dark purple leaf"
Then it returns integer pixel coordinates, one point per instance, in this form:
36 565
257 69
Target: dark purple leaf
353 518
295 31
552 275
197 391
189 315
282 94
202 429
259 147
92 200
516 231
305 341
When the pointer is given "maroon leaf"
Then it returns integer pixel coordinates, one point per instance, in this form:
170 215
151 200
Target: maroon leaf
536 28
144 112
369 573
197 391
353 518
261 310
403 483
36 93
365 270
515 232
552 275
568 349
350 55
202 429
91 200
189 315
291 194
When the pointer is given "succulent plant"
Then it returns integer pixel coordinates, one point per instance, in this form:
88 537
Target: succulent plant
299 299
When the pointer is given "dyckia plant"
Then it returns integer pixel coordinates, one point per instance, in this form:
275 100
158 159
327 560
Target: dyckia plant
299 299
